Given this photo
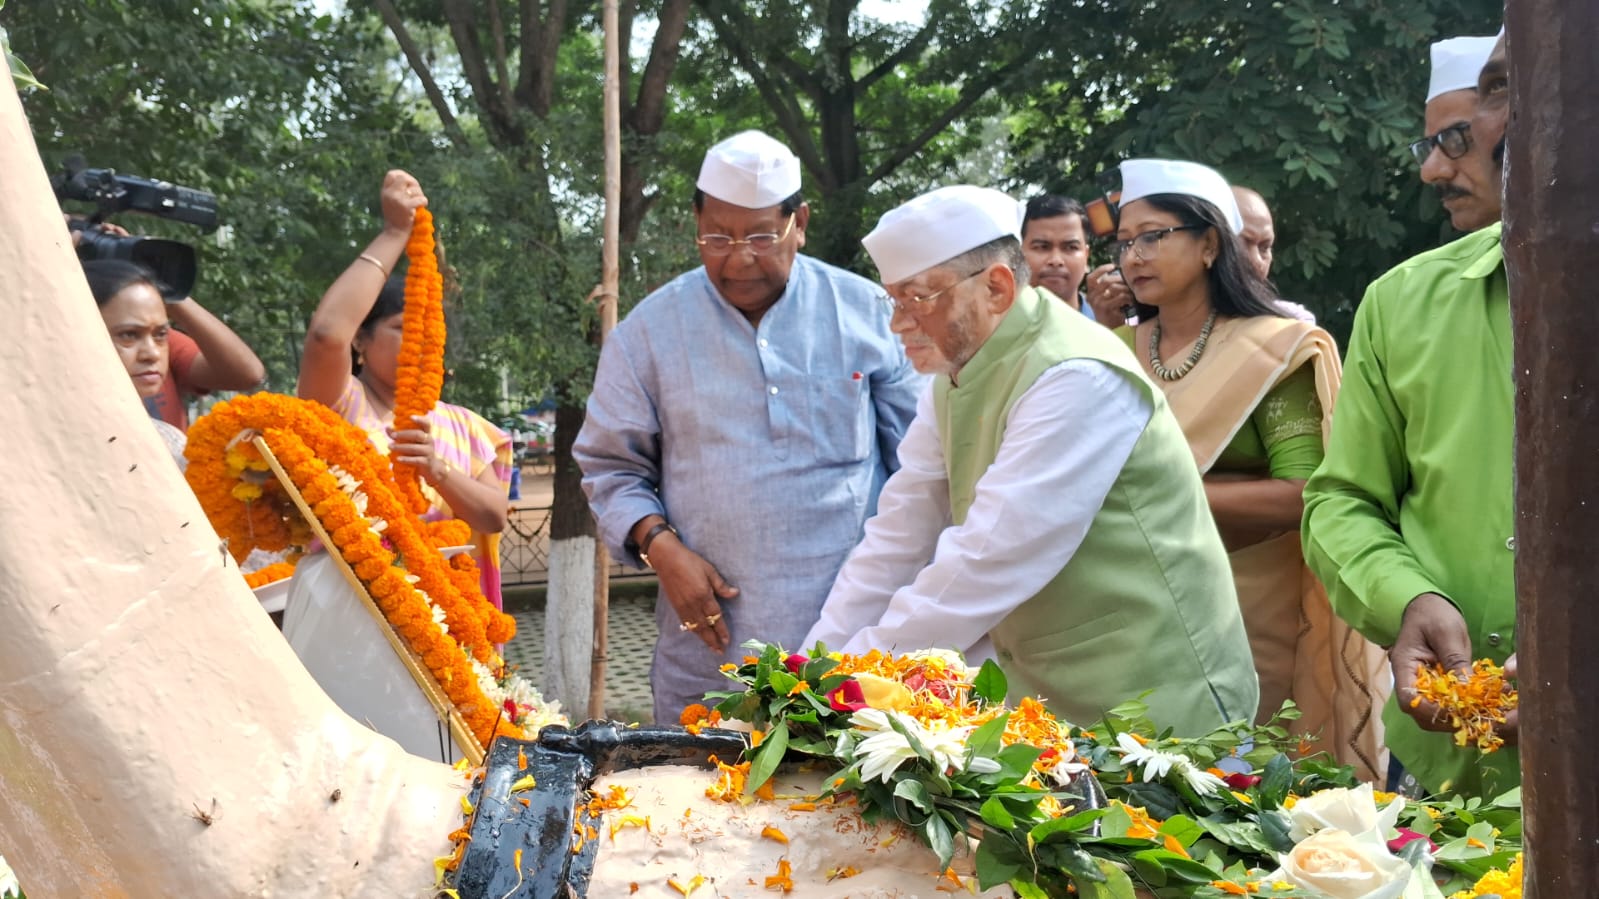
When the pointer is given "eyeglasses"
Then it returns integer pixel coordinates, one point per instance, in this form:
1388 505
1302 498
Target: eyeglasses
1454 141
759 244
917 306
1147 245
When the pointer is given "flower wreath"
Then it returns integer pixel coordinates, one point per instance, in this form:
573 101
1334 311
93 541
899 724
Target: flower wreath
434 605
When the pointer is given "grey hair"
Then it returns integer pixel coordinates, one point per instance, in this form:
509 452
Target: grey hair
1005 249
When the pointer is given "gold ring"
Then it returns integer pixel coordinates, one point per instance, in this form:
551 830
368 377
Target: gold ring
689 626
712 619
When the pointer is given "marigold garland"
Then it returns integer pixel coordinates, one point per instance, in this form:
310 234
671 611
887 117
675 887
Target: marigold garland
271 574
353 493
419 377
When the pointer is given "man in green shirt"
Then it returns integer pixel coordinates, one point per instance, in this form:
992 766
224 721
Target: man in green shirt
1409 520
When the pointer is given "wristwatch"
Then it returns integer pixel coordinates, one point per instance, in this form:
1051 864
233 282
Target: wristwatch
649 538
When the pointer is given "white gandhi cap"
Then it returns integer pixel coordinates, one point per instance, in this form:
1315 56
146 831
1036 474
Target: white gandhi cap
1457 62
751 170
1147 177
938 226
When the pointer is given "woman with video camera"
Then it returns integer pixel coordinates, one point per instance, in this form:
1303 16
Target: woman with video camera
1253 391
135 316
350 362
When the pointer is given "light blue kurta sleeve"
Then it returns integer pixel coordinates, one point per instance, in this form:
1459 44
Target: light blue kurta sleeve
895 394
619 448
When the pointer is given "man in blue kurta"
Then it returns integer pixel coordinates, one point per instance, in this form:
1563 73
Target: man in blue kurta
743 419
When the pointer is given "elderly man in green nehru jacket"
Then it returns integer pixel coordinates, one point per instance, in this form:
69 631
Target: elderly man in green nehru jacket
1049 485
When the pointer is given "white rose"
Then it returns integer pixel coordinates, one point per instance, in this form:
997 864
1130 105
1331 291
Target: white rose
1351 811
1344 867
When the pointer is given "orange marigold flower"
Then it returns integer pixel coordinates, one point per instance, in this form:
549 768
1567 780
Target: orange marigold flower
1475 704
783 879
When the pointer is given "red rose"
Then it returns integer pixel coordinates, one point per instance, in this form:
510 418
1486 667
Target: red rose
510 708
1240 782
1407 836
794 662
848 697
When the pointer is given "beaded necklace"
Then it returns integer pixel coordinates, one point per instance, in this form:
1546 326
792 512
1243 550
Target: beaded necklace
1172 374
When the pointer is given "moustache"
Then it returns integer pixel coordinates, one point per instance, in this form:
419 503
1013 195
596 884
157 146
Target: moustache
1447 192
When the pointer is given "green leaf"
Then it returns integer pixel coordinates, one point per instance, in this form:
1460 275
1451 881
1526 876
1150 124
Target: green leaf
998 859
1026 889
1068 826
1275 782
940 839
1183 829
1117 885
990 684
994 814
1274 826
985 741
1015 762
782 682
913 791
1244 835
1173 866
1072 859
766 758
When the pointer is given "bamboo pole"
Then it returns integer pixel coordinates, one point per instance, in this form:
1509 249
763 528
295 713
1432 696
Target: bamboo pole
1552 260
465 740
610 284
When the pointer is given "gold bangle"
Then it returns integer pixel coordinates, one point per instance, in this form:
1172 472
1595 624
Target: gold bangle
374 260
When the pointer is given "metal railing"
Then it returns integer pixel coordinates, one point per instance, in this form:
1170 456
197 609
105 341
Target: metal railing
525 550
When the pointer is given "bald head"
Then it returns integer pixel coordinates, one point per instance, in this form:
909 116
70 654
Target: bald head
1258 235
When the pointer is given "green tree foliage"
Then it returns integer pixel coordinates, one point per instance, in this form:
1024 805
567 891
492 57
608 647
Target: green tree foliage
275 110
877 111
1309 103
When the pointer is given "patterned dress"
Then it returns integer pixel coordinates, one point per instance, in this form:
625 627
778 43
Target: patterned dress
465 440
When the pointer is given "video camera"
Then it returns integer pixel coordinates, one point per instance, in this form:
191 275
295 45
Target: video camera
172 262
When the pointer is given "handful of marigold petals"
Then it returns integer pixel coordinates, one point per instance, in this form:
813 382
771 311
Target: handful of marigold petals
1474 704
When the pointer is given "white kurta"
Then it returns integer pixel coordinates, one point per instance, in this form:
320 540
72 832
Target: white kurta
1065 444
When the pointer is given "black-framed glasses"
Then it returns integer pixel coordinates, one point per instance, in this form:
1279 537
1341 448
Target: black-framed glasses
918 306
759 244
1454 141
1145 246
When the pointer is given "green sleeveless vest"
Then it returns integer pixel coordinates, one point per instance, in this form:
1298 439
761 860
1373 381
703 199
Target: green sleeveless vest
1147 602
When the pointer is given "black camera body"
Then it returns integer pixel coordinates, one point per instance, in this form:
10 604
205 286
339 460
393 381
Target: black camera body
173 263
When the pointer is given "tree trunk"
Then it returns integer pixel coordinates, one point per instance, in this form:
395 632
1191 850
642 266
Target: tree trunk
569 599
1552 259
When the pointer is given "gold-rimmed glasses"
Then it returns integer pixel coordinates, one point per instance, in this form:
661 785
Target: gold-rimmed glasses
759 244
918 306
